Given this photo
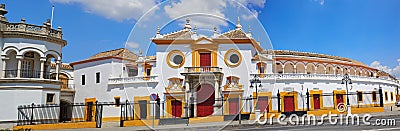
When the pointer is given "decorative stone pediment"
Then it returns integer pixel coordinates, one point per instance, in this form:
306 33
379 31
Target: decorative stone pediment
175 85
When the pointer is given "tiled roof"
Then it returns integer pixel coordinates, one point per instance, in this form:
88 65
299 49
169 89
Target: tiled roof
120 53
181 34
308 54
234 34
64 66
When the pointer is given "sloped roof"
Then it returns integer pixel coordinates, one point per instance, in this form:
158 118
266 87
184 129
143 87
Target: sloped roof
182 34
308 54
234 34
120 53
64 66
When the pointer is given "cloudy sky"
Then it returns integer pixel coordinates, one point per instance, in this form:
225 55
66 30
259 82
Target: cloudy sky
364 30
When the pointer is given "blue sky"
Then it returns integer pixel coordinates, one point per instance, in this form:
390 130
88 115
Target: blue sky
364 30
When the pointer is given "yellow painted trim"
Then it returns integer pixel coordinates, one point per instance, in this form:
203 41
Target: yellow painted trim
58 126
170 63
206 119
226 99
343 92
137 106
226 59
214 58
93 108
319 92
169 105
268 94
117 97
292 93
148 123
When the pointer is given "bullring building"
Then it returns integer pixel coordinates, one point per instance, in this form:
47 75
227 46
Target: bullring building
195 75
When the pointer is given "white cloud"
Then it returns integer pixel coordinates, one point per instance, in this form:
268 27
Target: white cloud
132 44
186 7
253 3
118 10
253 15
393 71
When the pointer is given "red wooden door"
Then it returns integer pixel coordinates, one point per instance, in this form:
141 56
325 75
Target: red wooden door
205 100
339 98
176 108
233 106
316 101
263 104
289 103
205 59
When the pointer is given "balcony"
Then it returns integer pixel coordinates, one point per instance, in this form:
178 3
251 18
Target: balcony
25 74
322 77
67 87
133 80
202 70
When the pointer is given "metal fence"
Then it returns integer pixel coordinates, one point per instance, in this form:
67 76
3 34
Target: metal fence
54 113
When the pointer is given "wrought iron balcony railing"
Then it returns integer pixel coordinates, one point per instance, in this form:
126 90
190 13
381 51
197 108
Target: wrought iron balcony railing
26 74
202 69
135 79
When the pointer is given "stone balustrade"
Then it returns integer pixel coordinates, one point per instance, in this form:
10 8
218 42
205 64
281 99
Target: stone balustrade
131 80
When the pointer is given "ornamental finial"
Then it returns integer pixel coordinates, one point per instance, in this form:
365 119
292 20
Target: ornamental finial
187 26
158 29
238 26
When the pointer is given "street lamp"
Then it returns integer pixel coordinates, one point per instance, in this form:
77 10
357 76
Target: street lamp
346 80
256 80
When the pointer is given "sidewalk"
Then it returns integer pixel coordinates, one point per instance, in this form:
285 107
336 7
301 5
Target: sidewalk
114 126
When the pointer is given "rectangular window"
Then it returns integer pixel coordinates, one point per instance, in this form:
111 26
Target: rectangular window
50 98
373 96
391 96
117 101
386 96
132 72
148 71
359 96
262 69
83 81
98 77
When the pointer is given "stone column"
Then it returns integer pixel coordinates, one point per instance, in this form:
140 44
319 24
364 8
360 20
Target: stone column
187 99
42 67
315 69
4 67
295 68
57 68
217 92
19 58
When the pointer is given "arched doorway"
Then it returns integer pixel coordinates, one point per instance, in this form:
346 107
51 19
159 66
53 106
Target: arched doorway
205 100
65 111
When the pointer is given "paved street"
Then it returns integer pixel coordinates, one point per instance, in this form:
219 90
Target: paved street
393 113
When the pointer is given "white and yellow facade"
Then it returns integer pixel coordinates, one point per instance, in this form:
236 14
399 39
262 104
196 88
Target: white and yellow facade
192 73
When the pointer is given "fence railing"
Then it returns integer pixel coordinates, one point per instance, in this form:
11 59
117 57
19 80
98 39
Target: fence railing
202 69
134 79
26 74
175 111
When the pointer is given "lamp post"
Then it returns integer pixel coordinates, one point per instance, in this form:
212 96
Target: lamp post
346 80
256 80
